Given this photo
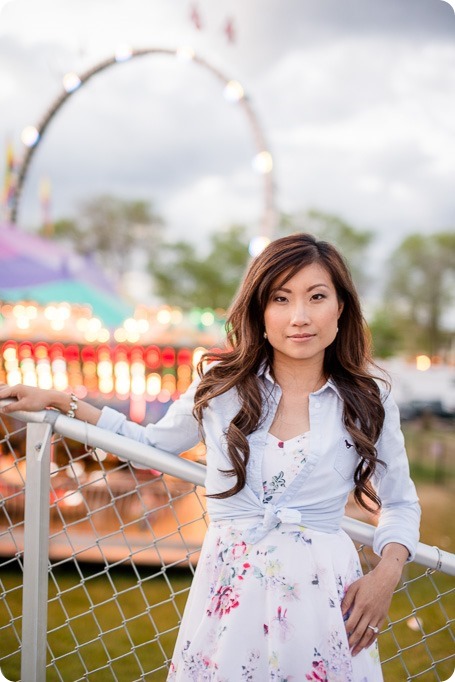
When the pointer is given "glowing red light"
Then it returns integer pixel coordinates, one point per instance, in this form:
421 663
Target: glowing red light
184 356
137 353
71 353
56 351
168 356
121 352
25 350
41 351
88 354
153 357
103 352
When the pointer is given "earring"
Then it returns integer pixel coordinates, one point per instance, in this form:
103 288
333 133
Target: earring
265 335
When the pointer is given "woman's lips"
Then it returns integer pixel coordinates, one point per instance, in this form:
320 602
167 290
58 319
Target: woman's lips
301 337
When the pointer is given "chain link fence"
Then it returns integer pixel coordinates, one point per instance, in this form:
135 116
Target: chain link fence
99 591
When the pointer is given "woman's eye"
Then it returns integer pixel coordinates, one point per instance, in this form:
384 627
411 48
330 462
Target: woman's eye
319 297
280 299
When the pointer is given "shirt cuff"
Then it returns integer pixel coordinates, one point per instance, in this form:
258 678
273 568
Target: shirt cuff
396 531
111 420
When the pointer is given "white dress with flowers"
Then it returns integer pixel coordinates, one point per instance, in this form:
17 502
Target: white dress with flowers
270 611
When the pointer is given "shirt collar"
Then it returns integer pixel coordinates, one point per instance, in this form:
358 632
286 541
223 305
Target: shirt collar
264 371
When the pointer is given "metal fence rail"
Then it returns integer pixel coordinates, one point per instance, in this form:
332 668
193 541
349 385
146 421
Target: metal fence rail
91 579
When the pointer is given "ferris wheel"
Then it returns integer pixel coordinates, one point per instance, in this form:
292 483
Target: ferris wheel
233 91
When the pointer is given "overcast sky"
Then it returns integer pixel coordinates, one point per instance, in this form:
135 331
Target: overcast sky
356 99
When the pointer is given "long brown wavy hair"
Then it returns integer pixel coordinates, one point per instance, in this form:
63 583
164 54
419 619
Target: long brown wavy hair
347 361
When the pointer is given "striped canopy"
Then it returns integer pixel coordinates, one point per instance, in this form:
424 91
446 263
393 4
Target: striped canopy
37 269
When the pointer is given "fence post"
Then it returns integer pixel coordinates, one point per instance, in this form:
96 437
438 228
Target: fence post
36 554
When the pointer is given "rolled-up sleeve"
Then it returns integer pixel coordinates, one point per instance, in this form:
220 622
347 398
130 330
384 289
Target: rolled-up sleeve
399 518
175 432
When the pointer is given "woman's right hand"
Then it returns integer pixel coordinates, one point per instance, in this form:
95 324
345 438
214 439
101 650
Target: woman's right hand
32 399
28 398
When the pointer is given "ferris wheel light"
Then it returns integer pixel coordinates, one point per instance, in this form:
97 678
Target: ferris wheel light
263 162
257 245
123 53
71 81
233 91
30 136
186 54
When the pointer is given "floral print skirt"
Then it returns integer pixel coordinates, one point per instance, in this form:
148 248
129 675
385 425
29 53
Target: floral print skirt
270 611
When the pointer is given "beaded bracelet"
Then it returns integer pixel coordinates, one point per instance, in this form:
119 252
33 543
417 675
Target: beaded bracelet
73 406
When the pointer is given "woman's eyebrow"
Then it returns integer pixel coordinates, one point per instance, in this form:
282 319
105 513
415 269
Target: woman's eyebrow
314 286
289 291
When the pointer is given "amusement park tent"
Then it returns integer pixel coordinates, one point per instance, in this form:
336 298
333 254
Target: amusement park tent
38 269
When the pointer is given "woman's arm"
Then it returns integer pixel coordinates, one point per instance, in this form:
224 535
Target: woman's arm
399 517
175 432
31 399
367 601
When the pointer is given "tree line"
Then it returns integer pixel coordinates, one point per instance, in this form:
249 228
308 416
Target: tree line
412 314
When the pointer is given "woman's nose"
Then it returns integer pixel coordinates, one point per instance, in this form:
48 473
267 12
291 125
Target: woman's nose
299 315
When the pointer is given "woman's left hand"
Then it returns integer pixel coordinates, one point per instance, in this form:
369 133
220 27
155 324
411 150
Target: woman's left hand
367 601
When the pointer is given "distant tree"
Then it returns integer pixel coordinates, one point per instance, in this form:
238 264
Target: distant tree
421 288
112 229
353 243
182 277
387 333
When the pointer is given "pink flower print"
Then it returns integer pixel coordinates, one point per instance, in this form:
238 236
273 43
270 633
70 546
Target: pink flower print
238 550
223 601
207 663
281 624
243 571
319 672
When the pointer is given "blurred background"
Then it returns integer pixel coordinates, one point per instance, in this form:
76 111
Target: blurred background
149 149
135 189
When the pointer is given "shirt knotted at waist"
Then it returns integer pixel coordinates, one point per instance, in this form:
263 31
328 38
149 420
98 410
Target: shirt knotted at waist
272 516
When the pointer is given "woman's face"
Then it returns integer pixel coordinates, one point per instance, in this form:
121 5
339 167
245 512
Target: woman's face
301 317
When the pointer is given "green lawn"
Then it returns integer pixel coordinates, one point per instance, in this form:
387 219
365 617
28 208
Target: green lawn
117 606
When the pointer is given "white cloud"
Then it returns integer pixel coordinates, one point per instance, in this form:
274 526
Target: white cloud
356 101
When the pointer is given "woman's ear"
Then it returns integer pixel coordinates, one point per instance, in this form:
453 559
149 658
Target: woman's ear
340 308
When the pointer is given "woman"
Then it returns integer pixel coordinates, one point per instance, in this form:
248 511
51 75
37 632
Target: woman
293 420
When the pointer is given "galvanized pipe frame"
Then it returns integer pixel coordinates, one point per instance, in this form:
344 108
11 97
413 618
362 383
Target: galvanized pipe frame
36 553
153 458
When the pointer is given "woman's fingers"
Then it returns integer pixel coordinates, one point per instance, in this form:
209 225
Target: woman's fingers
7 392
28 398
365 604
348 600
364 637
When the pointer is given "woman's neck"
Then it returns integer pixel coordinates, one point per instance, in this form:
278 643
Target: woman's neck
296 380
299 377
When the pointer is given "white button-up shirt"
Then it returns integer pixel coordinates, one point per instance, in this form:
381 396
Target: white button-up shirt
317 496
